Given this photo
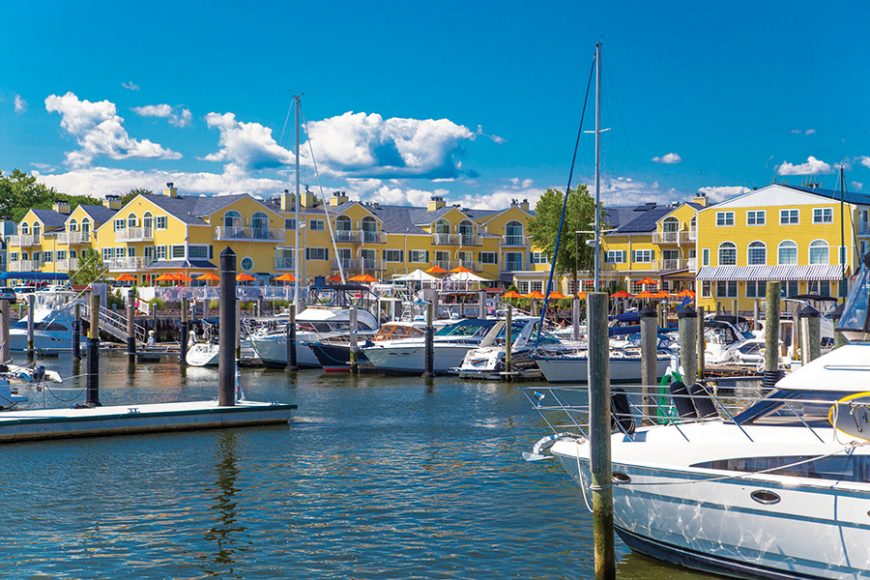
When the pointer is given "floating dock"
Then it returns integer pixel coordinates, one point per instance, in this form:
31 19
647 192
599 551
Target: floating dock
132 419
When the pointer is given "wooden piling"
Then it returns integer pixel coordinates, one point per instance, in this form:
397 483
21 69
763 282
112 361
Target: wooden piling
352 346
92 388
77 332
292 364
238 322
5 323
811 331
575 318
481 304
599 435
771 334
131 326
228 320
429 362
31 342
508 340
688 331
184 331
702 345
648 355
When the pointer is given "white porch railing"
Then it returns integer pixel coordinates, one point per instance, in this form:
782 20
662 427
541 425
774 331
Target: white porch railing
73 238
126 264
229 233
134 235
24 266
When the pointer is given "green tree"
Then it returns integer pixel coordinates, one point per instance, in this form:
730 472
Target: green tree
574 254
130 195
90 269
20 192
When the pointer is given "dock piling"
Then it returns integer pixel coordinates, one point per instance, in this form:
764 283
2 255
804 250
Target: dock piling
352 346
771 335
688 332
238 324
131 326
508 340
31 343
811 334
92 389
228 328
77 332
5 322
429 368
648 355
184 332
292 363
599 435
481 304
575 318
702 345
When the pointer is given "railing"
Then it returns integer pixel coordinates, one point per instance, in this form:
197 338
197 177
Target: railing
471 265
370 237
72 238
359 237
228 233
514 240
125 264
445 239
115 324
513 266
359 265
24 266
22 241
134 235
67 265
673 237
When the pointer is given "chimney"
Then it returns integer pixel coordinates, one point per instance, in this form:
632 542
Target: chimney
287 201
171 190
700 198
524 205
61 207
435 203
338 198
307 198
112 202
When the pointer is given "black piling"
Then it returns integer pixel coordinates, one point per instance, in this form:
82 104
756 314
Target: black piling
184 332
352 346
228 329
31 343
5 322
772 373
77 332
131 327
92 389
429 369
292 361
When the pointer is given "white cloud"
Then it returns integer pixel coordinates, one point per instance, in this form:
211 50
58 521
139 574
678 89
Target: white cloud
247 146
498 140
176 116
367 145
99 181
865 161
856 185
518 183
667 158
803 131
99 130
20 104
717 193
811 167
130 86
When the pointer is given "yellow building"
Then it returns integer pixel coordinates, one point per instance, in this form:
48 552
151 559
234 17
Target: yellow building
779 232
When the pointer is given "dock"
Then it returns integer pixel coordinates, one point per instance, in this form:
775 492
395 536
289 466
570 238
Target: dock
134 419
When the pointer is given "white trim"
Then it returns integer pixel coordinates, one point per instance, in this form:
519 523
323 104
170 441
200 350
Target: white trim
719 253
797 257
749 247
782 209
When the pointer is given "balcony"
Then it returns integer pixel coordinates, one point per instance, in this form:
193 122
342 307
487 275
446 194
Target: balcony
68 265
24 266
471 265
239 233
129 264
134 235
360 237
73 238
676 264
515 241
682 237
457 239
358 265
23 241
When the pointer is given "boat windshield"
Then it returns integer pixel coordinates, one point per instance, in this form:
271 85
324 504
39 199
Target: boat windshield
471 327
852 467
791 409
855 324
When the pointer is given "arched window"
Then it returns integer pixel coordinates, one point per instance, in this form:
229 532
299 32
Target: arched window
86 225
727 254
370 229
73 225
260 225
787 253
343 223
466 231
232 220
442 227
148 221
132 220
819 252
513 234
25 229
37 231
757 255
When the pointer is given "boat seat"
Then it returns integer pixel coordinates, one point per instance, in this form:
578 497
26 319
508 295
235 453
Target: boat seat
703 402
620 412
680 396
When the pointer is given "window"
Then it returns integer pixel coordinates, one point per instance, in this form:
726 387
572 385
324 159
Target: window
442 227
73 225
726 289
198 252
823 215
466 231
290 224
727 254
160 252
120 252
13 257
819 252
789 288
789 217
260 226
392 255
536 285
442 256
131 251
61 255
614 257
25 229
247 264
757 255
539 258
513 261
160 222
148 221
46 257
821 287
316 253
316 225
177 252
86 225
706 289
120 224
756 289
232 220
419 256
107 254
643 256
73 254
787 253
465 257
705 257
724 218
343 224
132 221
513 234
756 217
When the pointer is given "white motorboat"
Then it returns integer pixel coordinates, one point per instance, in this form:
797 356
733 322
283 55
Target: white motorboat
777 489
53 323
572 368
487 361
451 343
334 353
204 350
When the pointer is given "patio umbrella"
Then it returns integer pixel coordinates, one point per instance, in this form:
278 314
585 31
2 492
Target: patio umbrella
416 276
581 295
335 279
661 294
460 269
556 295
182 277
511 294
645 295
243 277
621 294
286 277
125 278
166 277
648 280
363 278
534 295
685 293
436 269
209 277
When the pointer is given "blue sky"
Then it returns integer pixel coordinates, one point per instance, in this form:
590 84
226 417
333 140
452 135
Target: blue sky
478 101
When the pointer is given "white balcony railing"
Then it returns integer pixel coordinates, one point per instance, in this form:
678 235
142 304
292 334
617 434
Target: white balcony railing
22 241
67 265
681 237
358 265
127 264
134 235
24 266
445 239
514 240
671 264
230 233
359 237
73 238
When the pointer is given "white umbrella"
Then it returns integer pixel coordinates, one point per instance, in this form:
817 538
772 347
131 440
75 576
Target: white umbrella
466 277
417 275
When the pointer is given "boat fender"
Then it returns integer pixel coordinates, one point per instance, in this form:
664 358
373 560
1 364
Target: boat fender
620 413
680 396
702 401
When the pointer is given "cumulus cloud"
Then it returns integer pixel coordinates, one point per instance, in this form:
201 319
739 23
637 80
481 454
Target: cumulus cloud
246 146
367 145
717 193
812 166
99 181
857 185
497 139
130 86
20 104
99 130
865 161
803 131
176 116
518 183
667 158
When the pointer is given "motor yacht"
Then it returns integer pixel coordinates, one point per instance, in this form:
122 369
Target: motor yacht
333 353
487 361
53 323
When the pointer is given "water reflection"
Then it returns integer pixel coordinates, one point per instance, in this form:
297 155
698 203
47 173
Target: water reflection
225 507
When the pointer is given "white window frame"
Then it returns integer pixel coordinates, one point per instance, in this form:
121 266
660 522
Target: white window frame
614 257
779 261
719 253
755 214
749 249
161 222
488 257
173 254
539 258
788 212
324 252
724 217
825 212
705 256
392 253
810 253
640 256
316 225
418 256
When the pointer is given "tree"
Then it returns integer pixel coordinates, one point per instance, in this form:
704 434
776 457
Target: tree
20 192
90 269
574 254
130 195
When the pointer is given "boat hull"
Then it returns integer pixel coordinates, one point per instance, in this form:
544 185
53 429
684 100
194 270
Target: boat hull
272 350
410 360
42 341
574 369
335 358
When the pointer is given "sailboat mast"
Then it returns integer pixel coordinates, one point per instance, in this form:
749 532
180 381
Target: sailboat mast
597 262
297 259
842 252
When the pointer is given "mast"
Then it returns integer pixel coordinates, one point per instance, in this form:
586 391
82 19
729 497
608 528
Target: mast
597 263
297 259
842 251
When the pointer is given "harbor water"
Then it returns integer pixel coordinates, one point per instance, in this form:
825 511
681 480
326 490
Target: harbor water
374 477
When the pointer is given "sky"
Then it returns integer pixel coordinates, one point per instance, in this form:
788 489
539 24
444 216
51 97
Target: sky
476 101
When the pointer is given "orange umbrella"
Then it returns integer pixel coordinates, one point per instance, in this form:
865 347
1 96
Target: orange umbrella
363 278
534 295
209 277
686 293
167 277
460 270
334 278
645 295
125 278
182 277
661 294
511 294
436 270
243 277
556 295
286 277
581 295
621 294
648 280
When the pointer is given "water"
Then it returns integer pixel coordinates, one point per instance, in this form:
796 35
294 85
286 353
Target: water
375 477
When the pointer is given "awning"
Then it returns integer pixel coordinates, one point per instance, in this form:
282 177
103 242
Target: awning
815 272
39 276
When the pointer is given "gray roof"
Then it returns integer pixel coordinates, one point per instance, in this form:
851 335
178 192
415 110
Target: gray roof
50 218
182 263
191 209
99 213
641 219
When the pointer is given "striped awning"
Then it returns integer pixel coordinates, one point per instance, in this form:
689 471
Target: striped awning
814 272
